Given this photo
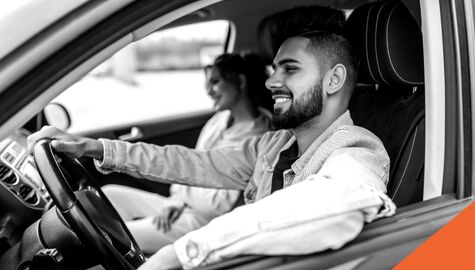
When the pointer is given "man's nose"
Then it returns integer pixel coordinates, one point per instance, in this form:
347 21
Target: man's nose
274 81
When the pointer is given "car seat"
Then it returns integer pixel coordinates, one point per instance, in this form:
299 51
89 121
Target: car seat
389 99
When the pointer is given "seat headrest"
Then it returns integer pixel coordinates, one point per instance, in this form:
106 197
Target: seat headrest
389 42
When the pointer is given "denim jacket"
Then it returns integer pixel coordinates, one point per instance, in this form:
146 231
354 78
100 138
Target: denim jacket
210 203
329 192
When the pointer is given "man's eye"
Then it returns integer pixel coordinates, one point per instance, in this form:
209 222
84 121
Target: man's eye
290 68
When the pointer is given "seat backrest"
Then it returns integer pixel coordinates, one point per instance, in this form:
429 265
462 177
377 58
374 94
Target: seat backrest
391 104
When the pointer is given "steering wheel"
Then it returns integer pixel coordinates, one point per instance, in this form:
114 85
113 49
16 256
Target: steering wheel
87 210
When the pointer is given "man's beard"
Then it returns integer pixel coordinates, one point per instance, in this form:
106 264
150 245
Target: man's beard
301 110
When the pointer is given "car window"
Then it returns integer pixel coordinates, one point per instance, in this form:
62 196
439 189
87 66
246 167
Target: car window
156 77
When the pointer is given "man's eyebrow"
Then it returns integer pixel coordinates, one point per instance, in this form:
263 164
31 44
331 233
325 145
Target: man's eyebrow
285 61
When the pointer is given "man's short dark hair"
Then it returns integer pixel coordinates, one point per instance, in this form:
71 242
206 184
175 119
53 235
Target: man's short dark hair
331 49
325 28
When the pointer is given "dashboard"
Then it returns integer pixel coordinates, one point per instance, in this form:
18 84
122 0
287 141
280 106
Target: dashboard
19 175
23 196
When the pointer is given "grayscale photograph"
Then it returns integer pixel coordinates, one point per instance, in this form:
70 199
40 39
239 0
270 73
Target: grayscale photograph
232 134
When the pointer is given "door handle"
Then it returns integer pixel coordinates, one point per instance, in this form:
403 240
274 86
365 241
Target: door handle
135 134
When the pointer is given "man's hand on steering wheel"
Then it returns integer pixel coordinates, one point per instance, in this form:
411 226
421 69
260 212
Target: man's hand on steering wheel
86 209
73 146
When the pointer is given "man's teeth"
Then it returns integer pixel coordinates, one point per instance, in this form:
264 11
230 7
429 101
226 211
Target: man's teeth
280 100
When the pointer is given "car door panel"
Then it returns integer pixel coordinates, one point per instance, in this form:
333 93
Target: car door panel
181 129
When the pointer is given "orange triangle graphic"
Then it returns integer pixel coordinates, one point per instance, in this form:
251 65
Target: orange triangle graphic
450 248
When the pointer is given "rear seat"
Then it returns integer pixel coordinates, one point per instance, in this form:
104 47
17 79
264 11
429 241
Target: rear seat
391 103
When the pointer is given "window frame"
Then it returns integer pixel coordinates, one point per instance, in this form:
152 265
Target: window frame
458 161
470 32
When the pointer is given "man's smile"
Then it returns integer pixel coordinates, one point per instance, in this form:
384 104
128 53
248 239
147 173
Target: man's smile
281 101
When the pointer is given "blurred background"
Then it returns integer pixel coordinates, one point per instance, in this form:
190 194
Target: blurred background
159 76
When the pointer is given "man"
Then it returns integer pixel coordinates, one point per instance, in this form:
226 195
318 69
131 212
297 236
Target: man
308 187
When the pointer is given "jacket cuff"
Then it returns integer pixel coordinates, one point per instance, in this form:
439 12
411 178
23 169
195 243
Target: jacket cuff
111 160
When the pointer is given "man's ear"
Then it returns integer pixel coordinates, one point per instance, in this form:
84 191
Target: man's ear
336 79
242 82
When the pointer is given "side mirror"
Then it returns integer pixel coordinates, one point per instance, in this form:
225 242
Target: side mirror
57 116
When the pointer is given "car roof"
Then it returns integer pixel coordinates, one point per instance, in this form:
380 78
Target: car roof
59 23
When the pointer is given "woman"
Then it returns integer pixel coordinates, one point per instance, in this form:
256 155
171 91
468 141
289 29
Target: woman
242 103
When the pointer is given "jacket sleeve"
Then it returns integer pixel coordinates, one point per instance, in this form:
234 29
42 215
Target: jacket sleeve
323 212
209 202
228 168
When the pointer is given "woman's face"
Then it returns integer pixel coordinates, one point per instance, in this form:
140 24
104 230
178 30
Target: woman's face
224 93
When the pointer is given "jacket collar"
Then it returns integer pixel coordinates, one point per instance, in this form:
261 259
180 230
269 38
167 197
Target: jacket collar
299 164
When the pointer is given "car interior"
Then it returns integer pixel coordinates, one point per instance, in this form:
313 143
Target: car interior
389 100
